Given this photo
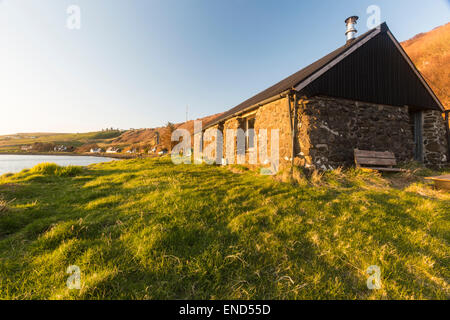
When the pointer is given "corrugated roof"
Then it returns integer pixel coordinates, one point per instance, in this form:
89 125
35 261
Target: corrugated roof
291 81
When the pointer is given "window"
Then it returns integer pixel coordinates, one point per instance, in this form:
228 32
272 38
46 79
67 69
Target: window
250 132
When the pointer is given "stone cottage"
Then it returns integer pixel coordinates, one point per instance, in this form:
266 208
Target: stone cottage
365 95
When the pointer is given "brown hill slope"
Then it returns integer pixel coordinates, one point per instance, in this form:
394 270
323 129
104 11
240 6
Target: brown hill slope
430 52
159 138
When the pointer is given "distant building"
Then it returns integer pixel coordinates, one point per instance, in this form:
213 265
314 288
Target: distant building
96 150
112 150
26 148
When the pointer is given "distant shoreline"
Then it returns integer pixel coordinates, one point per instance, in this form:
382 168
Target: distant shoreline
87 154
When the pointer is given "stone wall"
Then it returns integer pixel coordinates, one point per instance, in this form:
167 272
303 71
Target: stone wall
211 146
275 116
272 116
329 130
229 142
435 151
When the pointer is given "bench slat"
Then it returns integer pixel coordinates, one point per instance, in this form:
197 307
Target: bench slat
385 169
374 154
440 178
376 161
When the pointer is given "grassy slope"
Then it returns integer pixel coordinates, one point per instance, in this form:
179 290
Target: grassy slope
149 229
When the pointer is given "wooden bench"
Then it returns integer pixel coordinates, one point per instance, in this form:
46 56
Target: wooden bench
375 160
441 182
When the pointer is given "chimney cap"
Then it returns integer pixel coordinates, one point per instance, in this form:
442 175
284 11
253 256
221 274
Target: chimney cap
351 19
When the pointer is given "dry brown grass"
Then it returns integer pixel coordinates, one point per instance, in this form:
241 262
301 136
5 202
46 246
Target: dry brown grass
316 178
297 176
238 169
141 138
4 205
430 52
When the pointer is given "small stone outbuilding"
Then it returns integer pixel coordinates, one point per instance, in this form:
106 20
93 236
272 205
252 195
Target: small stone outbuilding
365 95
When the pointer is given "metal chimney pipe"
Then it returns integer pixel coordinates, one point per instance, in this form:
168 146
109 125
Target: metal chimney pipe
351 30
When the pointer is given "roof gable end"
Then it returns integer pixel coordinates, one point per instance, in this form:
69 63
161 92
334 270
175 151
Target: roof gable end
308 78
376 70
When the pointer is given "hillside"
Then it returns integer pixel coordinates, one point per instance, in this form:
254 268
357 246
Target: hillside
145 139
139 140
430 52
45 142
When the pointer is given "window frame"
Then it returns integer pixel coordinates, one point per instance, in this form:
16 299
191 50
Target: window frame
247 136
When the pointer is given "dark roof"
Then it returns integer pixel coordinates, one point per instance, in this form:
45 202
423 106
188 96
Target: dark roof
289 82
295 79
378 72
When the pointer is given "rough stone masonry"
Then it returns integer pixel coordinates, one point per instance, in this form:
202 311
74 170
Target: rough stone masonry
329 129
435 151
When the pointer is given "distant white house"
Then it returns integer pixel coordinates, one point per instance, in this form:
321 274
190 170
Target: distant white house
96 150
131 151
26 148
112 150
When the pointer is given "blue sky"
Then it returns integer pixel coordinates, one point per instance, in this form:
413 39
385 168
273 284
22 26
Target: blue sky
138 63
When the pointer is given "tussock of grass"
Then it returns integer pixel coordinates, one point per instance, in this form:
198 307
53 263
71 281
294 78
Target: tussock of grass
299 176
416 169
236 168
338 178
294 176
3 205
53 169
147 229
284 175
316 177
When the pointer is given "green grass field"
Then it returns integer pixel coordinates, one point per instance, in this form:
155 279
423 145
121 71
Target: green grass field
147 229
